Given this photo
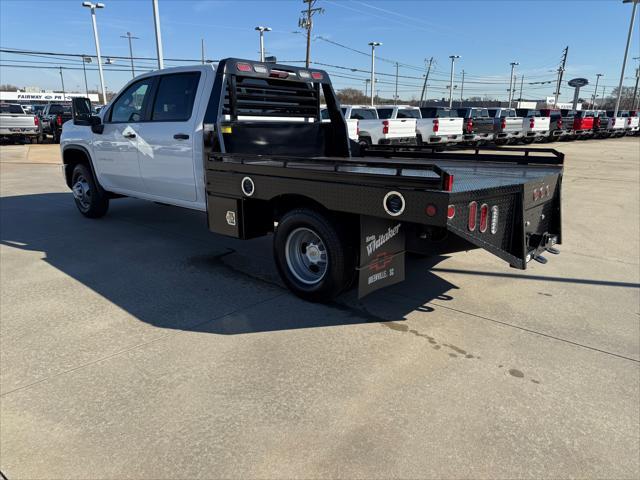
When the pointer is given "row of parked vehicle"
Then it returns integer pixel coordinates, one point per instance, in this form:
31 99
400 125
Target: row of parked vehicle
34 125
406 124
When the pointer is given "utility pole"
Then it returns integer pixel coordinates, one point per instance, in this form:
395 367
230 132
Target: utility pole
373 46
156 22
635 89
93 7
560 73
626 52
262 29
426 78
62 80
306 22
202 49
595 92
453 60
366 87
521 85
462 88
603 100
511 82
395 97
130 37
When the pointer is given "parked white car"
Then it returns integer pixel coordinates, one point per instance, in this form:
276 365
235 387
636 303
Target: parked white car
352 123
376 131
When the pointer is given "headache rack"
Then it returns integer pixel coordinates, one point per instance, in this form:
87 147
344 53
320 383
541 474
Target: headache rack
269 97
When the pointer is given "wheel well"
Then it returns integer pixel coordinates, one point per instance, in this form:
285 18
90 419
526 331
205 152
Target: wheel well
72 157
284 203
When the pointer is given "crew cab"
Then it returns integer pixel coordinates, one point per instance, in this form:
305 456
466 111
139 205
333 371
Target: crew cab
376 131
535 127
203 138
53 117
16 125
507 125
478 125
600 124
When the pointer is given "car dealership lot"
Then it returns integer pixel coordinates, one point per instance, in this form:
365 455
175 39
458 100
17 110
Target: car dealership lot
142 346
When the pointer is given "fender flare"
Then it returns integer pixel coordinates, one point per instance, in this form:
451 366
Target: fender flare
89 159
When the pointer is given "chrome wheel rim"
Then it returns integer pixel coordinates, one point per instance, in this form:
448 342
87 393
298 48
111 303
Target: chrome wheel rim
307 256
82 192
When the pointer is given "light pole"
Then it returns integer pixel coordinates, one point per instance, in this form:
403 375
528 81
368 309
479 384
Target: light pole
626 52
93 7
453 60
62 80
513 66
595 93
156 22
130 37
373 46
262 29
85 59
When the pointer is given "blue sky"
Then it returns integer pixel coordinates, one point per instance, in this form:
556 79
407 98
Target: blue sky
487 34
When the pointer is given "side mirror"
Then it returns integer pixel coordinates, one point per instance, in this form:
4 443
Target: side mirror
81 110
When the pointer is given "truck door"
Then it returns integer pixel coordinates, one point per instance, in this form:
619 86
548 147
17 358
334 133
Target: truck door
166 143
116 148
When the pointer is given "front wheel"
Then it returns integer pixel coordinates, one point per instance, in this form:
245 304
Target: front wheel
90 199
312 255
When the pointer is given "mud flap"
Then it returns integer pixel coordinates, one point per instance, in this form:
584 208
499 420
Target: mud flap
382 254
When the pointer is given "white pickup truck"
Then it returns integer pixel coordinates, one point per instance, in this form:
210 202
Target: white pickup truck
353 127
15 124
633 123
616 125
377 131
535 127
440 125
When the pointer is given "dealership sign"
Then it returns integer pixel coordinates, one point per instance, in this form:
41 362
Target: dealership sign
43 97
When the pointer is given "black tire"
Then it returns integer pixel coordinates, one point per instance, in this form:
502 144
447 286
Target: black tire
56 137
92 201
339 270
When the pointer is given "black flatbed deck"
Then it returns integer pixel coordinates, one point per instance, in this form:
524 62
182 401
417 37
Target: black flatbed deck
481 169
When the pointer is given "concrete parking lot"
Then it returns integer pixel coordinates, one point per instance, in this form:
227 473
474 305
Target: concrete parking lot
142 346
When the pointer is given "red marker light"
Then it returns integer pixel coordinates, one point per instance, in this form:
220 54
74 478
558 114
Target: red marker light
431 210
448 182
317 75
484 216
243 67
473 213
451 211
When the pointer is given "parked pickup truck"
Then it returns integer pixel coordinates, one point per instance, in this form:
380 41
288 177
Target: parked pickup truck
16 125
507 125
53 117
560 127
535 127
478 125
181 136
616 124
583 123
352 124
600 124
633 123
374 131
438 126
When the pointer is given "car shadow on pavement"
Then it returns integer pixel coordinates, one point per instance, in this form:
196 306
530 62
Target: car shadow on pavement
161 265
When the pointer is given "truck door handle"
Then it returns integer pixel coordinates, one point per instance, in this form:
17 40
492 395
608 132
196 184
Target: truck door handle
129 135
181 136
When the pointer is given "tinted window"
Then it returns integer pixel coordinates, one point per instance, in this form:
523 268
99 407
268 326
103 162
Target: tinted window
128 106
8 108
408 113
385 113
175 97
324 114
55 109
436 112
492 112
343 110
363 114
